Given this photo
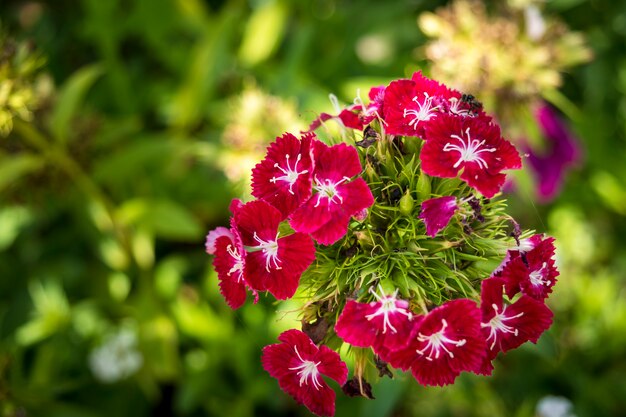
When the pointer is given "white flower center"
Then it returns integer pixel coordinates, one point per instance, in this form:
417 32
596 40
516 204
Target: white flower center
328 189
238 266
469 150
387 307
455 109
307 369
290 174
270 250
537 277
424 111
497 324
438 342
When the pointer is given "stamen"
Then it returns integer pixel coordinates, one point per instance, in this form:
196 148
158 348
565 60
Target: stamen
238 266
537 277
388 307
437 342
497 323
270 250
423 113
290 175
468 151
307 369
328 190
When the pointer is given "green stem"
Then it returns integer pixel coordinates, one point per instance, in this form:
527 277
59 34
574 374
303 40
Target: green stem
59 157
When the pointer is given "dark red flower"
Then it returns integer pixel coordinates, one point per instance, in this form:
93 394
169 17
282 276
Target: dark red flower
409 105
273 263
506 326
471 146
385 322
447 341
298 365
283 178
337 196
437 213
534 273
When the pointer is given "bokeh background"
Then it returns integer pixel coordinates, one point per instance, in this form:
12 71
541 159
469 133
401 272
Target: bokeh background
127 126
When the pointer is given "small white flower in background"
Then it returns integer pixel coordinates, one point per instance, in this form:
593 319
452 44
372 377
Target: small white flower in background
535 24
552 406
117 358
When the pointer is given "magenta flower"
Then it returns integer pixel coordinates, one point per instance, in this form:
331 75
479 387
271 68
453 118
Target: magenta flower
447 341
507 326
337 197
437 213
385 322
298 365
229 262
273 262
550 165
533 273
410 105
283 178
471 146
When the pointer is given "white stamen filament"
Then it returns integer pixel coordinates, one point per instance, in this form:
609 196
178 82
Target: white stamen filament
328 190
270 250
238 266
469 151
537 277
437 342
290 175
424 113
307 369
388 306
497 324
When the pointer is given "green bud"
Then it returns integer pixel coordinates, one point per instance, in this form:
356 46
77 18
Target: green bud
406 204
423 187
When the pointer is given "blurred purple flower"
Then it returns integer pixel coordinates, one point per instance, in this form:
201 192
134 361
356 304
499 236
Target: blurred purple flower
562 152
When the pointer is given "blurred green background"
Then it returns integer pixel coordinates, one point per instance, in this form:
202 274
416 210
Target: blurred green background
127 126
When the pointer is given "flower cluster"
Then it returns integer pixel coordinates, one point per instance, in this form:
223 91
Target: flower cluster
396 242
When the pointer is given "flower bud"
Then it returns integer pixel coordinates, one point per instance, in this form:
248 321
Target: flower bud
406 204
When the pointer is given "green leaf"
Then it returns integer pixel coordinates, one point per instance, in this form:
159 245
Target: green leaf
164 218
70 100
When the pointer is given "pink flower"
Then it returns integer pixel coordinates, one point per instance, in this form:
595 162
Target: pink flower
409 105
447 341
212 237
507 326
283 178
471 146
437 213
533 273
337 197
273 262
385 322
298 365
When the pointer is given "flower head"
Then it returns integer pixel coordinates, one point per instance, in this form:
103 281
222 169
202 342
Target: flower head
298 365
283 178
533 273
447 341
472 147
508 325
385 322
273 262
337 196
